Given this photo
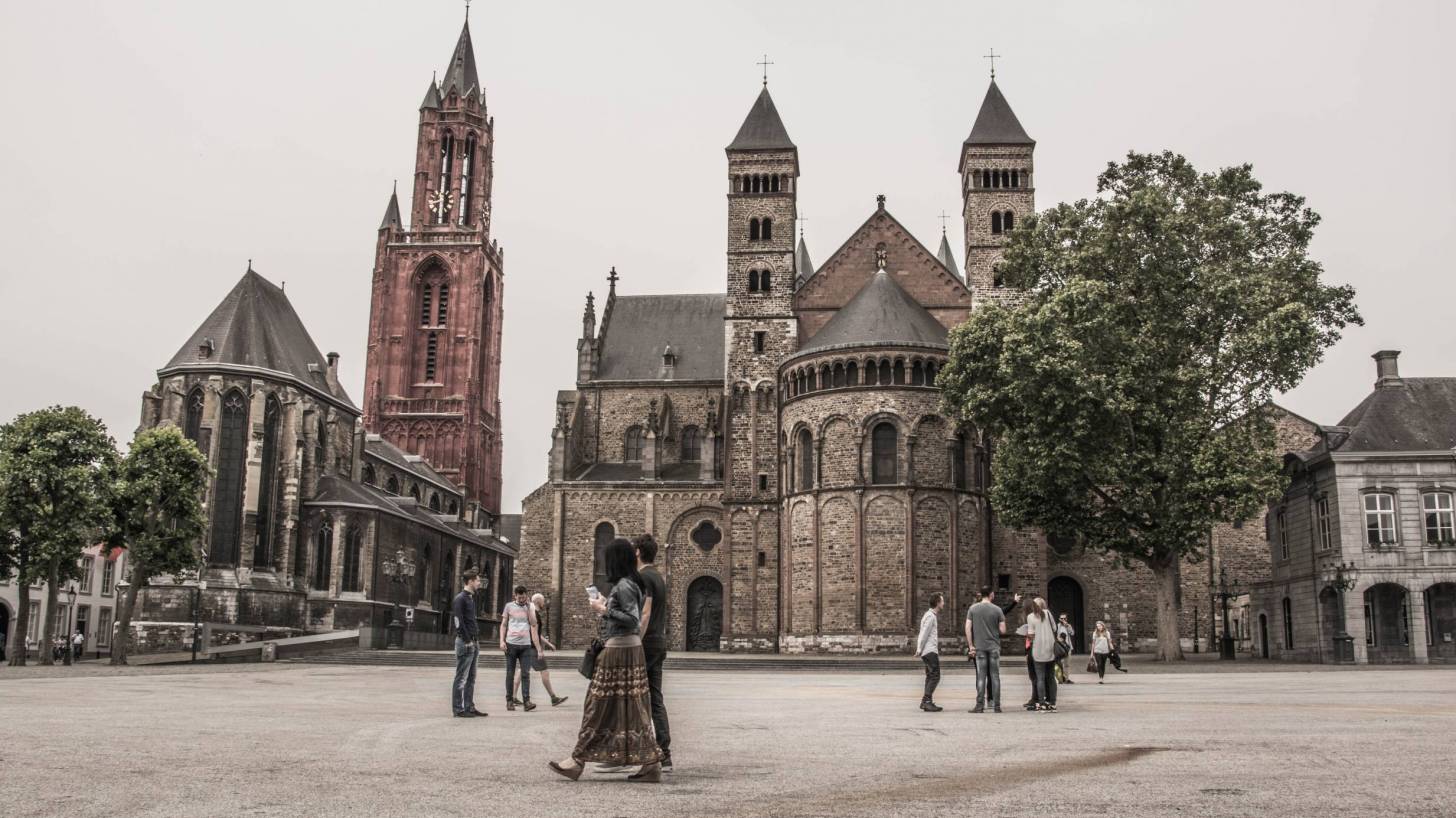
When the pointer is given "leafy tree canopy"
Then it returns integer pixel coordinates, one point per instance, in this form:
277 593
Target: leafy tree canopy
158 502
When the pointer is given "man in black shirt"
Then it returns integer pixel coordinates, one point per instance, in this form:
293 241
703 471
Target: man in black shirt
467 647
655 608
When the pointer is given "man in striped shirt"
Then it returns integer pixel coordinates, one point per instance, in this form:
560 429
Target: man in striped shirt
927 649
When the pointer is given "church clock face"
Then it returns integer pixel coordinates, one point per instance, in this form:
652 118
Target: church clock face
440 203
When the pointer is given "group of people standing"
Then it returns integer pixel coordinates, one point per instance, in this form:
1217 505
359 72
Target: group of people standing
624 726
1048 643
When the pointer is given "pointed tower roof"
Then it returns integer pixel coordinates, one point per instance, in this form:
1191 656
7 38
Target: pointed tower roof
881 313
391 212
804 268
762 130
946 257
461 71
996 124
432 97
256 330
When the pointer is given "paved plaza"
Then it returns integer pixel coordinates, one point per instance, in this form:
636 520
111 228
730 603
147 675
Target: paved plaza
335 740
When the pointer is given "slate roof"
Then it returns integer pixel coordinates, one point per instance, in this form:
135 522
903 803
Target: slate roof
256 327
393 455
804 268
640 326
762 130
946 257
881 313
619 472
432 97
334 491
461 72
1415 414
391 212
508 526
996 124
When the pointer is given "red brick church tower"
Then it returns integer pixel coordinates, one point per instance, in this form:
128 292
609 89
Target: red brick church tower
432 377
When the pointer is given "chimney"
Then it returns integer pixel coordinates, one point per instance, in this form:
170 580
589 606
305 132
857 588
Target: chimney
333 373
1387 373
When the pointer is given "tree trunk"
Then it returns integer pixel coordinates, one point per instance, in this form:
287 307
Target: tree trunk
16 646
121 644
1166 578
48 624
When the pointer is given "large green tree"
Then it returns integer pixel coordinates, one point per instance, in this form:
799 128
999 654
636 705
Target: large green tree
56 467
159 520
1125 394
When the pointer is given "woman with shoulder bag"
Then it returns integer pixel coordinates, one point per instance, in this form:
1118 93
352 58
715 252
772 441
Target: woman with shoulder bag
1101 649
1044 655
616 722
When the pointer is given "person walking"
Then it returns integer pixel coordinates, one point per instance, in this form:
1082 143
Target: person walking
78 645
927 650
1065 632
538 606
616 722
467 646
1043 636
518 635
1102 647
985 625
655 608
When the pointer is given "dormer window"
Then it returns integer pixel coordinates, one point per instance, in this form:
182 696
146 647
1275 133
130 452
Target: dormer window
669 357
205 349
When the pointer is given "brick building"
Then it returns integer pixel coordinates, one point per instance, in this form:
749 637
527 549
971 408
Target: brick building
784 437
1363 542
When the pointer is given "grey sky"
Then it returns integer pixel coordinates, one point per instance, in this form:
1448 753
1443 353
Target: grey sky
151 149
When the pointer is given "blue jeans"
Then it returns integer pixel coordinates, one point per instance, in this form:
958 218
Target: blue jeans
1046 683
988 677
462 698
526 656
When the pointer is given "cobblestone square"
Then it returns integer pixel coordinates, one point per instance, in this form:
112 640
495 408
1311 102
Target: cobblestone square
323 740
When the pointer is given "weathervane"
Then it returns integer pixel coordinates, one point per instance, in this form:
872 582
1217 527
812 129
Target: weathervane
992 57
765 63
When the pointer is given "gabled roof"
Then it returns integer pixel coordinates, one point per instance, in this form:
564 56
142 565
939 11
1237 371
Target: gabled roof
762 130
391 213
881 313
803 267
996 124
256 328
641 326
1412 414
461 72
946 257
377 446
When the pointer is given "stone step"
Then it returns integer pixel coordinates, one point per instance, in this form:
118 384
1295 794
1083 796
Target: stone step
675 661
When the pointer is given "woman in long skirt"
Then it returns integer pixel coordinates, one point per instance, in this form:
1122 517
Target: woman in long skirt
616 722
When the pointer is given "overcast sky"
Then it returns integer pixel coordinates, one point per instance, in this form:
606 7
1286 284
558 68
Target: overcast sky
151 149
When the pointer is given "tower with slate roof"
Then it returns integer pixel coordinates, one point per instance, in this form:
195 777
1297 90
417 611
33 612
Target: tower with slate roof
432 379
997 190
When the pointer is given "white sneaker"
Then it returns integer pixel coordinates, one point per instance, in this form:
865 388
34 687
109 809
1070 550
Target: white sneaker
615 768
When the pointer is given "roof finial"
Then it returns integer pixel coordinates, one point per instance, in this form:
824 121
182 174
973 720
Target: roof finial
765 63
467 11
880 201
801 218
992 57
943 217
250 265
612 281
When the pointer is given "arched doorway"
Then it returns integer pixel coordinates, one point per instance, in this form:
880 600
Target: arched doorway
1441 621
1331 622
705 614
1263 636
1387 623
1064 596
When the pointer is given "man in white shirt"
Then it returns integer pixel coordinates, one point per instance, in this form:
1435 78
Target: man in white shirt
927 650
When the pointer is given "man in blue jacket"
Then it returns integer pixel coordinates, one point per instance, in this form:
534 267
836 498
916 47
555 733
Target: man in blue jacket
467 647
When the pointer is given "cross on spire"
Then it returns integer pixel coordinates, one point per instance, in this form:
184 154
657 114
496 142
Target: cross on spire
943 217
801 218
765 63
992 57
612 278
467 11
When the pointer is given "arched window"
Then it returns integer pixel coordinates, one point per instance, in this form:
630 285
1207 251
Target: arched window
443 307
884 372
1008 221
757 183
899 370
267 485
467 177
320 443
447 161
692 449
839 374
1005 178
353 553
415 492
763 280
632 445
368 474
435 501
774 184
930 373
1438 517
393 485
602 538
1016 178
958 461
454 507
884 445
323 555
426 305
985 178
193 429
767 229
917 374
995 221
806 460
753 229
227 517
753 281
432 353
851 373
1288 623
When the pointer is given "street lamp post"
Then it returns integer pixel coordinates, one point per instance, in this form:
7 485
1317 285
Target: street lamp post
1342 581
400 571
197 603
70 612
1224 594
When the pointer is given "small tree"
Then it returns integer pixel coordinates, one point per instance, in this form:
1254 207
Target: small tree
56 467
1125 396
157 508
